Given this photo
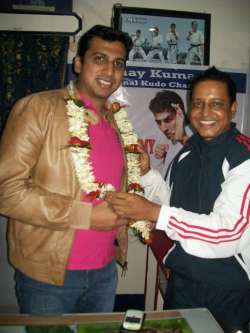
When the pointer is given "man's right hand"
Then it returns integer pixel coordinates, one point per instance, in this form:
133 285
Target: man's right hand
161 151
104 218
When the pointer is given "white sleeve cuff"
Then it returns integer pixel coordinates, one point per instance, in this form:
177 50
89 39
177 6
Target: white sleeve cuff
163 218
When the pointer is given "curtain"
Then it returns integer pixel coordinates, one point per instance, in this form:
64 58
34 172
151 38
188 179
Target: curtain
29 63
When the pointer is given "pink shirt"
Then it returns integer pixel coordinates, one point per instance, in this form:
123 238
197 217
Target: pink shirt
94 249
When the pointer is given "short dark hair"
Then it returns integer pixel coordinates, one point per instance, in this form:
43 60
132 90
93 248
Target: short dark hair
105 33
163 101
214 74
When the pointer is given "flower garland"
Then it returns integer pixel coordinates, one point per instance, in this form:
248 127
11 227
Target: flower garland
79 119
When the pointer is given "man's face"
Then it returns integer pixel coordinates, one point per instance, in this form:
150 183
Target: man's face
156 32
166 121
172 28
194 26
211 112
101 71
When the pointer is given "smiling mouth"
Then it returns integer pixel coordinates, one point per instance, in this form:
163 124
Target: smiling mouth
105 83
207 122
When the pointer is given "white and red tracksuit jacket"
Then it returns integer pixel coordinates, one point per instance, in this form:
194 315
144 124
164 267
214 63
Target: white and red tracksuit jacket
205 209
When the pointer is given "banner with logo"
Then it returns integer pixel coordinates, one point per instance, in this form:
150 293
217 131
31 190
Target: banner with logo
143 84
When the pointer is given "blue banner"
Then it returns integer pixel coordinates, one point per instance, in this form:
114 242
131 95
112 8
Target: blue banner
170 78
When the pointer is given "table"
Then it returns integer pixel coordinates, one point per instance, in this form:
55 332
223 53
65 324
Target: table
200 320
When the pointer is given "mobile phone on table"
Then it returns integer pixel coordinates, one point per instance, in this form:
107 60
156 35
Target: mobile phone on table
133 320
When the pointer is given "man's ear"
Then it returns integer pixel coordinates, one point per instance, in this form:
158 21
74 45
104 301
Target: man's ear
77 64
234 107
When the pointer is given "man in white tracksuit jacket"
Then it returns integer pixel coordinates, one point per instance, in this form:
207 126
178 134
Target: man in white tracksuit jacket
204 206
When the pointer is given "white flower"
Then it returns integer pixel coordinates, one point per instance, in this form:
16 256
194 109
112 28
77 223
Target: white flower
79 118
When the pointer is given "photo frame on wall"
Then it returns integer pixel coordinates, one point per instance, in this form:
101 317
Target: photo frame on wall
165 36
64 6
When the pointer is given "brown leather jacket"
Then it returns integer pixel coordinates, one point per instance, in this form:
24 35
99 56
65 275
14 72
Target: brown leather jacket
39 191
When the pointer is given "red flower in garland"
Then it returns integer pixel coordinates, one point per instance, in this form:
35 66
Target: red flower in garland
93 195
115 107
135 187
132 148
76 142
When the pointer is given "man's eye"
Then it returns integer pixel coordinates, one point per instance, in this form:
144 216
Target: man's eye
217 104
197 104
119 64
99 59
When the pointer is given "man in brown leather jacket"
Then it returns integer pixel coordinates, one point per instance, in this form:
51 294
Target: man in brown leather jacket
62 240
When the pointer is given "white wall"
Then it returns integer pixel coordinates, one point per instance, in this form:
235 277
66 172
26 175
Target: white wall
230 23
229 48
230 26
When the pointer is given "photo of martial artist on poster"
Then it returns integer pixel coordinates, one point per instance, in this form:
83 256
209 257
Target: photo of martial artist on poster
156 101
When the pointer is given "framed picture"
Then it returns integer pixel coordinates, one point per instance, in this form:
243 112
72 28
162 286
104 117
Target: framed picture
38 5
165 36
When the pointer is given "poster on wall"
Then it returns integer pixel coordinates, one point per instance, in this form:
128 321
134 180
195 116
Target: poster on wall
165 36
147 90
148 87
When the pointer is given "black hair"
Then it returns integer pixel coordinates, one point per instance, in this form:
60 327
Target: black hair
163 101
105 33
214 74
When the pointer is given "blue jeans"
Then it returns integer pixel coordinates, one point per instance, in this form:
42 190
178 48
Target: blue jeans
83 291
